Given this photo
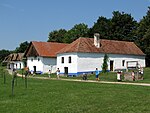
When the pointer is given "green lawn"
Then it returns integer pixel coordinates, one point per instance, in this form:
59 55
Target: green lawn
56 96
110 76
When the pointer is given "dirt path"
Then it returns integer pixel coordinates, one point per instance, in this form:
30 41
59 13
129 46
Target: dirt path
92 81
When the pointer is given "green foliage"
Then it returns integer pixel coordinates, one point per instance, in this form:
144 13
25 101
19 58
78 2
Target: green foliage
105 63
121 26
57 36
102 26
79 30
3 54
23 46
143 33
63 36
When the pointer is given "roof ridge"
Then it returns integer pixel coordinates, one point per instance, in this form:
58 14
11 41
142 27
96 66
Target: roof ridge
118 40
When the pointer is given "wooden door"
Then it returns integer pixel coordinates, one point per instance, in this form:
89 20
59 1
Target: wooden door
111 65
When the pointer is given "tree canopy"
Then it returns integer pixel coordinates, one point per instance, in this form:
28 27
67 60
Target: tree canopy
64 36
3 54
23 46
79 30
121 26
57 35
143 34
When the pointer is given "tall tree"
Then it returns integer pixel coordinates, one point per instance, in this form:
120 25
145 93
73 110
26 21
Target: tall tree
143 34
3 54
105 65
102 26
57 35
23 46
79 30
123 26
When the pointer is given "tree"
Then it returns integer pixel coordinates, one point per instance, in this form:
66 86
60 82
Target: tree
21 49
57 36
102 26
105 65
123 26
79 30
3 54
143 34
146 46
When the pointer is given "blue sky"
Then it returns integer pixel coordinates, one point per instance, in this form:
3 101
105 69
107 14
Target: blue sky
32 20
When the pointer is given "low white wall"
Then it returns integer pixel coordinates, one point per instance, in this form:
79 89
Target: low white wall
18 65
88 62
33 61
72 67
49 64
119 58
43 64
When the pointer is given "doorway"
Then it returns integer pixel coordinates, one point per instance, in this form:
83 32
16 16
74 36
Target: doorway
20 65
111 65
34 69
66 70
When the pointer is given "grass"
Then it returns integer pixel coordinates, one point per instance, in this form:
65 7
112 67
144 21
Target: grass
56 96
109 76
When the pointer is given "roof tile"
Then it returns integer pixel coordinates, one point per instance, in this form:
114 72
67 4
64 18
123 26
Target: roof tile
107 46
47 49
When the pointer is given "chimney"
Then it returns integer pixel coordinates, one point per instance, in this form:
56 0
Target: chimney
97 40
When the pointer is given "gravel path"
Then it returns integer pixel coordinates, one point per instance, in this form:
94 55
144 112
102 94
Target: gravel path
93 81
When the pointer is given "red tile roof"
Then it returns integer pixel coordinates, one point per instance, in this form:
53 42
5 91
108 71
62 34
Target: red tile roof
107 46
45 49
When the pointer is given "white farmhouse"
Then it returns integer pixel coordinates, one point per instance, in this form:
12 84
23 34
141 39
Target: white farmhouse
41 56
14 61
84 55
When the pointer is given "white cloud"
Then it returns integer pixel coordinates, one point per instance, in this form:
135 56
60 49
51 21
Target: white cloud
11 7
8 6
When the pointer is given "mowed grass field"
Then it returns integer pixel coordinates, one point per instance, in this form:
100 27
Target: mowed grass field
57 96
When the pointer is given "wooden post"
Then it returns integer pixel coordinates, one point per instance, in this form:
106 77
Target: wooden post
12 86
13 81
1 73
16 80
4 77
26 81
22 73
26 74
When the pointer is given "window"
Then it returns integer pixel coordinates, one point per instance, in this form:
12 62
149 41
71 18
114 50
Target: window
20 65
32 59
123 62
69 59
38 59
62 59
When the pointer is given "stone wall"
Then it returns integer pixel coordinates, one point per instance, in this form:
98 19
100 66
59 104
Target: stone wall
128 76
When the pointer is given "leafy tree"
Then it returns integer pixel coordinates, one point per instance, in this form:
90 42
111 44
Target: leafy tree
102 26
143 34
123 26
57 36
105 65
23 46
3 54
79 30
